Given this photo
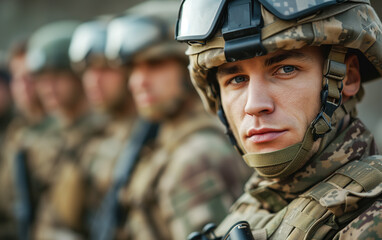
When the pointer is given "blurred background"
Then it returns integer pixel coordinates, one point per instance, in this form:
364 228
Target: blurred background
19 18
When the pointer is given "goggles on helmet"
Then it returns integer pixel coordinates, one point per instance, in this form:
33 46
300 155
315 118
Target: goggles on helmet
198 20
240 21
129 35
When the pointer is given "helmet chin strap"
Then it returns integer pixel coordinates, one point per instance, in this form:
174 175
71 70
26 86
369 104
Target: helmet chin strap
284 162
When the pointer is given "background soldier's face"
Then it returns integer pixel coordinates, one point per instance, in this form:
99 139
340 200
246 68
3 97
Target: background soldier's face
105 87
156 87
22 86
271 100
58 90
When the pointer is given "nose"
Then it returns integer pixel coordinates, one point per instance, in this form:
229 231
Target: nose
259 97
138 77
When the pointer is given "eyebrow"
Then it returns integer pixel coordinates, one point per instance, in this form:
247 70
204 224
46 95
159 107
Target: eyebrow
283 56
222 71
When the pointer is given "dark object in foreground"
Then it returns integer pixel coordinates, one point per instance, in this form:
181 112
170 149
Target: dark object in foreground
238 231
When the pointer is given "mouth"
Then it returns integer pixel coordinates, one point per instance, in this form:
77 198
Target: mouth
264 135
144 99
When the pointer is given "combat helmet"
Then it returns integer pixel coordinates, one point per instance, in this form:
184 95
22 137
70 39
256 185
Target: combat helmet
226 31
144 31
88 43
48 47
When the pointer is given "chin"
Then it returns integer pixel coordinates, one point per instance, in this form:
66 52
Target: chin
265 147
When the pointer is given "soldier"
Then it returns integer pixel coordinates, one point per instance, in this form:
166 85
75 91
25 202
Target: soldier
180 181
285 77
27 125
56 172
106 91
6 115
5 102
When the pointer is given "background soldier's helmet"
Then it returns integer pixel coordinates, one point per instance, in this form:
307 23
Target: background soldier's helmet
146 31
48 47
228 31
88 44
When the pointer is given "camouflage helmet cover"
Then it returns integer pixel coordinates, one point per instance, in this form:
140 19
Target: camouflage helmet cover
353 24
48 47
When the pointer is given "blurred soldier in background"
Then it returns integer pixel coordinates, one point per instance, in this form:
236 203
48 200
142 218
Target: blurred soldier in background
5 101
27 126
6 115
56 172
285 76
6 110
189 175
106 91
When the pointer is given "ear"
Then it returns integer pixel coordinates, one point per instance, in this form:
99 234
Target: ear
352 80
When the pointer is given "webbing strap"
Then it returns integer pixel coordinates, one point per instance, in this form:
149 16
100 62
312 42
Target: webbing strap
300 220
320 190
277 157
364 174
333 73
260 234
300 151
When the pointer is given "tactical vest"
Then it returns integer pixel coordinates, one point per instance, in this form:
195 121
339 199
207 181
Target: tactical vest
330 205
324 209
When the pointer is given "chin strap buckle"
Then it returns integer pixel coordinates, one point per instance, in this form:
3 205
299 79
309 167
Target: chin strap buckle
331 95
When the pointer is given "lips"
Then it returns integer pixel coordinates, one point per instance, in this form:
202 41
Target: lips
264 134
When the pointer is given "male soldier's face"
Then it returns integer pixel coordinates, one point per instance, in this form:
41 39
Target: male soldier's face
58 90
270 100
22 86
105 87
156 87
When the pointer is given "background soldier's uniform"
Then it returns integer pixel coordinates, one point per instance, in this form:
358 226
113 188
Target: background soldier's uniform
62 180
6 228
22 136
98 162
189 176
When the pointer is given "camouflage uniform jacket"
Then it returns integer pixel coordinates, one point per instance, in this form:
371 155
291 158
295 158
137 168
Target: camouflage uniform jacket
21 135
100 157
188 177
60 178
96 165
336 195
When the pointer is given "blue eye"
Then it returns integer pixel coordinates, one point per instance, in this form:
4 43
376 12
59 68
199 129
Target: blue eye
238 79
287 69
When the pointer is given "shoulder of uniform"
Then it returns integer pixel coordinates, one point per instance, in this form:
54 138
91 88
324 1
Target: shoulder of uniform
353 183
365 226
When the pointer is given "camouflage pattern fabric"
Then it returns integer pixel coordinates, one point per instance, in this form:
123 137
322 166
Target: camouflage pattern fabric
61 180
99 158
188 177
291 208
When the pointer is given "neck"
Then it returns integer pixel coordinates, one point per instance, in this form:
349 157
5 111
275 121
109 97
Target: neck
70 114
34 115
123 111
